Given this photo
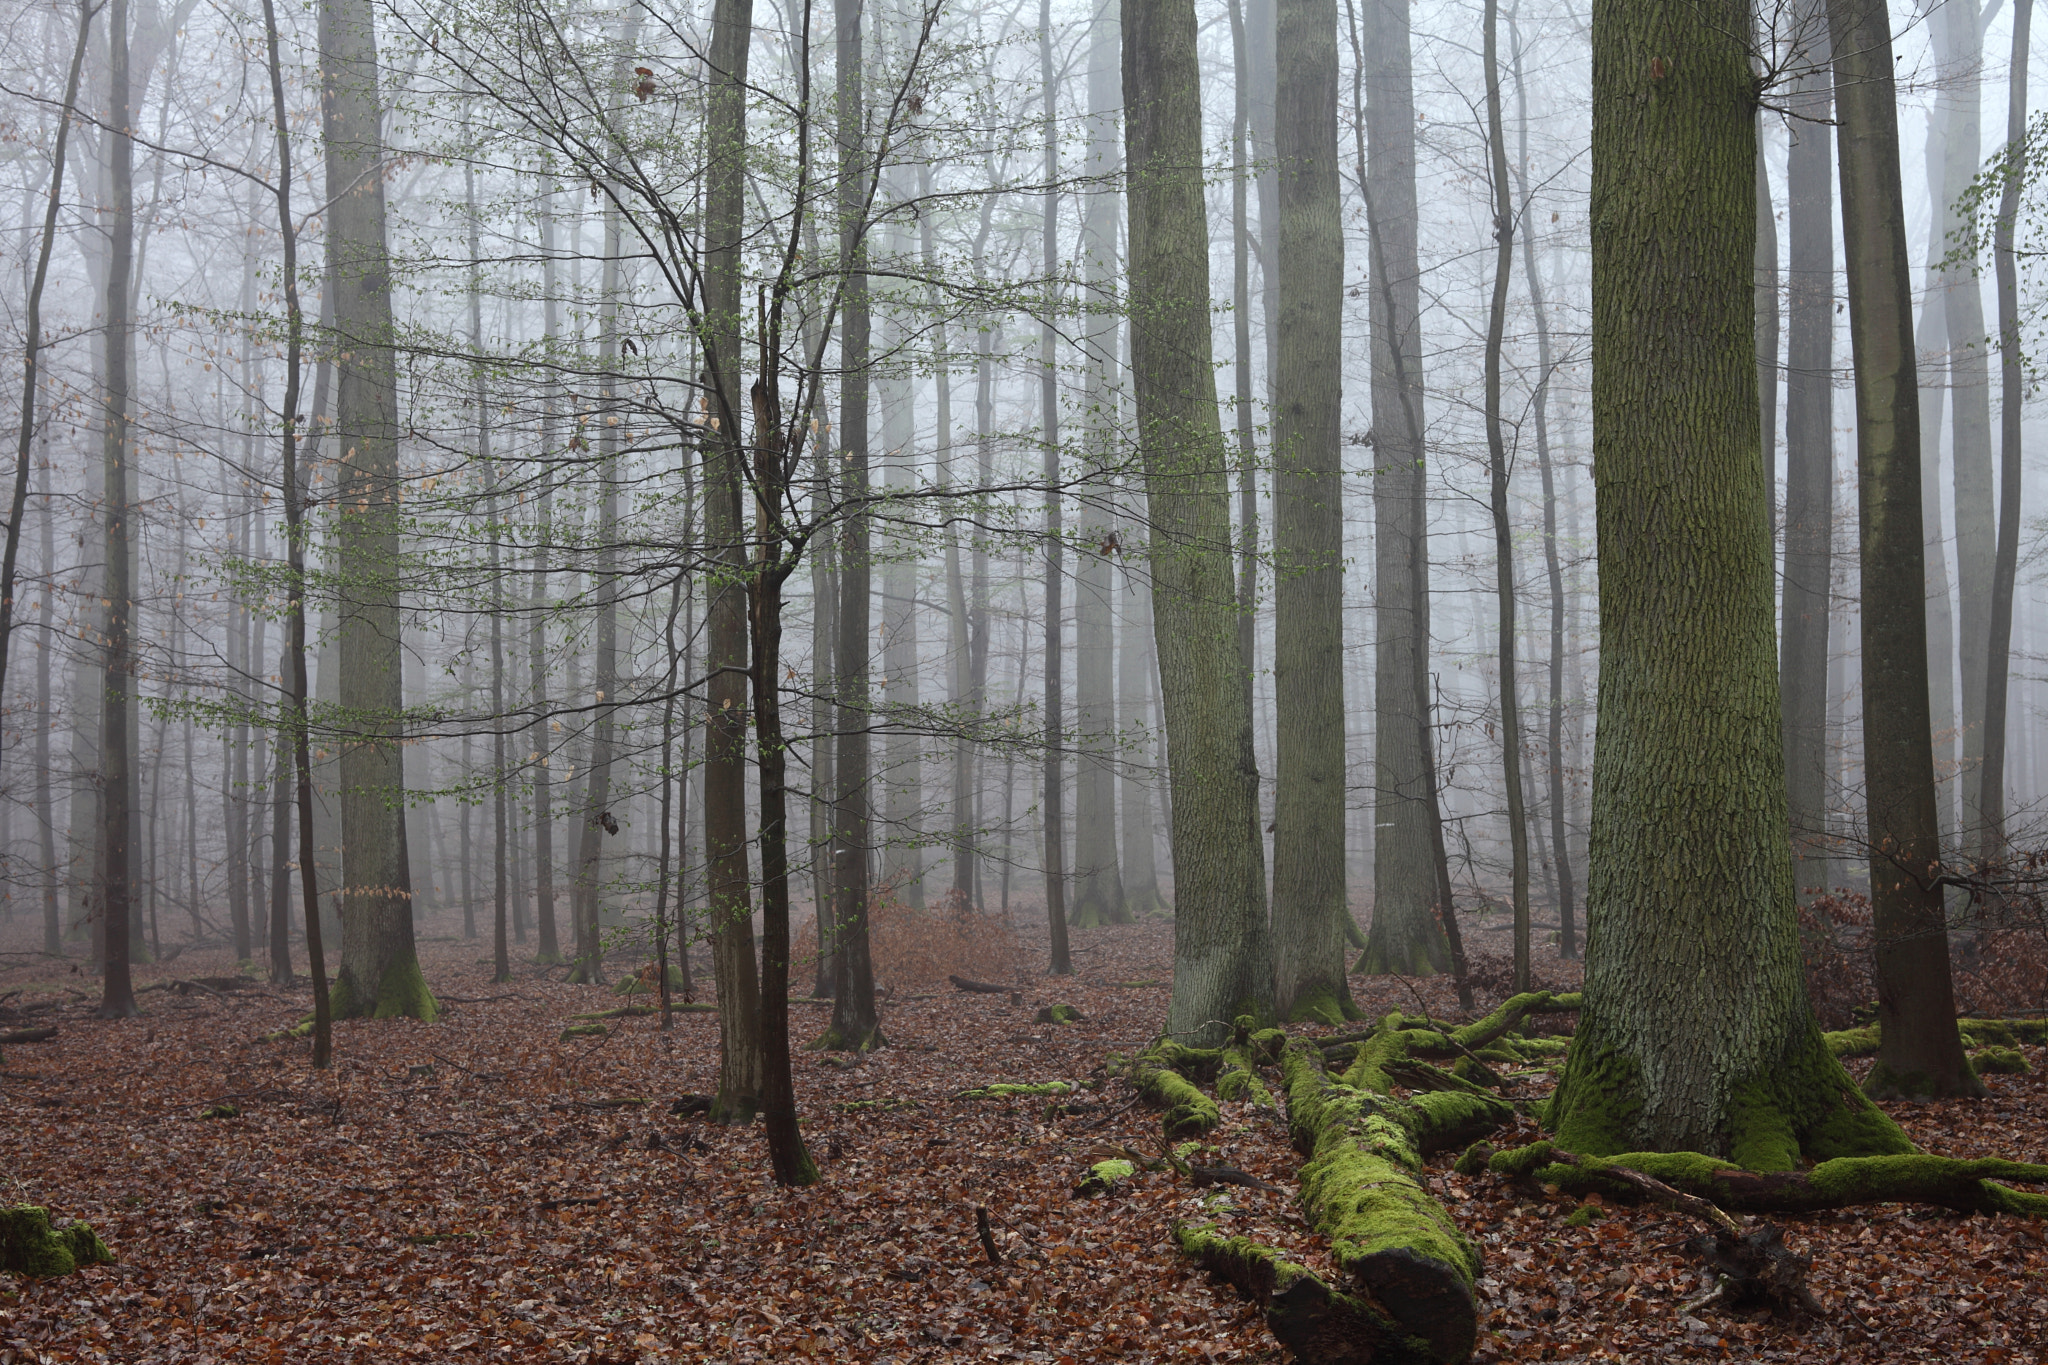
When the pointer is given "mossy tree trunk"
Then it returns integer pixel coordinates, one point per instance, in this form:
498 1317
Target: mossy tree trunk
1696 1033
1222 963
1309 912
1921 1053
380 971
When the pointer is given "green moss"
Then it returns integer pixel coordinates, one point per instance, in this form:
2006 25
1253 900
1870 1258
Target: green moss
1518 1163
1473 1160
1003 1090
1059 1014
1852 1042
832 1040
584 1031
1584 1216
29 1246
220 1111
1101 1178
1320 1006
1159 1077
2004 1061
1597 1100
1534 1049
402 993
888 1106
1986 1033
1761 1135
1312 1320
1509 1016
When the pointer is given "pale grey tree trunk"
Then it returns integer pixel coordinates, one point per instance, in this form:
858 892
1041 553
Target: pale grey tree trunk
1141 758
902 749
1055 797
1098 880
1807 577
1309 909
380 972
1405 935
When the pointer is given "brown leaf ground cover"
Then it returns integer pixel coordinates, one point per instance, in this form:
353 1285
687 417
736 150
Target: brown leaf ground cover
474 1191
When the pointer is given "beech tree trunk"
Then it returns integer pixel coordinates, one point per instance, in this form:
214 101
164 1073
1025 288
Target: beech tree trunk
380 970
1309 912
1921 1054
1809 452
1222 958
1696 1033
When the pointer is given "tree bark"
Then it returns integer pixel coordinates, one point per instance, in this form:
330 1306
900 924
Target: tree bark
1921 1054
380 971
1696 1033
1222 958
1055 856
1503 528
1309 911
1809 450
2012 396
741 1055
547 946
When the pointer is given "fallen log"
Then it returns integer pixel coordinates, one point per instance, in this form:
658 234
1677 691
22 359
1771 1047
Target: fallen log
29 1035
961 983
1166 1075
1319 1324
1845 1182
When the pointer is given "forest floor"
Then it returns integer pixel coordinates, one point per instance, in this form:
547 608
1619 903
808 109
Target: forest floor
472 1191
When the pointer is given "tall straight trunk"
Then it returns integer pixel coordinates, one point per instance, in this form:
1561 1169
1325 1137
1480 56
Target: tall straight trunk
235 809
548 947
978 626
1503 527
1697 1034
501 951
1405 936
465 818
854 1022
116 876
1919 1053
902 750
1767 328
1222 955
1309 911
1241 249
1930 345
380 971
961 795
1098 881
1957 33
587 898
824 743
46 645
741 1055
1553 571
2012 395
665 832
1055 858
1809 451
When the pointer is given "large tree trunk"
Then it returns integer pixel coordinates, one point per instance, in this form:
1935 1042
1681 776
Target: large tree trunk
1222 959
1098 880
902 748
1921 1054
1405 936
1809 453
1309 912
1958 39
1696 1033
734 965
2012 395
118 676
380 970
854 1023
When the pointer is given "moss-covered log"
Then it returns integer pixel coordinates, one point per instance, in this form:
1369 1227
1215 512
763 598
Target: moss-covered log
1166 1075
1975 1033
1319 1324
30 1246
1361 1188
1845 1182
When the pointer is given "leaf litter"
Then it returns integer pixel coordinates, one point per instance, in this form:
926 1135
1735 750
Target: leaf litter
481 1190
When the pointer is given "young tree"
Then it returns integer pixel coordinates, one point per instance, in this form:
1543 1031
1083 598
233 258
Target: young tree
1696 1033
1222 957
